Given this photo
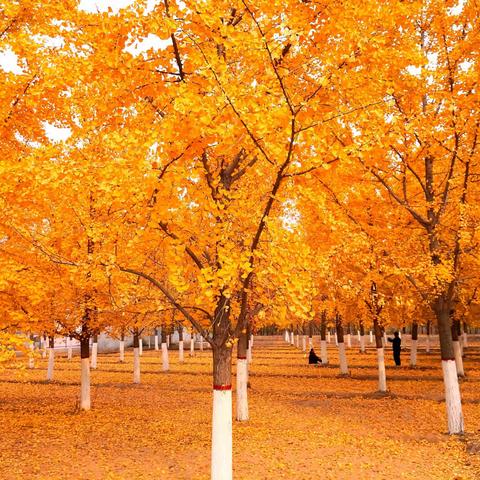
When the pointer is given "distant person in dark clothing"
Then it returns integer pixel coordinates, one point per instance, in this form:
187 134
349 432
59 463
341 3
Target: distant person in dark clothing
313 359
397 347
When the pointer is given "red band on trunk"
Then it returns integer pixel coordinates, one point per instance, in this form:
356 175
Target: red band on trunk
222 387
241 358
447 359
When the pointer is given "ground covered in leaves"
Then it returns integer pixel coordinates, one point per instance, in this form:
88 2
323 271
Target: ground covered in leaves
306 422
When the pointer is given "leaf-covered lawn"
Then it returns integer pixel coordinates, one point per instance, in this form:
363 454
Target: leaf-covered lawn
306 422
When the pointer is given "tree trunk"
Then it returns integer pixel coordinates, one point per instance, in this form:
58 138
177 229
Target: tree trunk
136 358
140 346
180 345
165 363
221 467
362 337
465 336
341 347
382 376
323 340
249 343
413 346
85 375
156 340
452 389
192 343
310 335
122 347
242 378
31 356
94 351
51 358
427 348
457 349
69 348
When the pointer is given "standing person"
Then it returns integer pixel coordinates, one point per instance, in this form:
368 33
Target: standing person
397 347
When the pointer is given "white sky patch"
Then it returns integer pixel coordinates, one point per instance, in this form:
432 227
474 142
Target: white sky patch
465 65
56 134
457 9
9 62
413 70
94 6
151 41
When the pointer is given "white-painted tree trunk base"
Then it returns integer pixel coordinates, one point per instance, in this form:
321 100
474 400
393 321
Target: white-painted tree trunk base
69 352
85 385
94 355
304 343
323 352
292 339
165 364
359 337
31 358
249 354
192 346
362 343
349 340
136 365
427 346
413 353
242 389
201 344
371 336
465 340
140 346
287 337
382 376
310 343
251 340
51 363
122 350
458 358
452 397
336 339
297 340
343 359
156 342
329 337
180 351
221 467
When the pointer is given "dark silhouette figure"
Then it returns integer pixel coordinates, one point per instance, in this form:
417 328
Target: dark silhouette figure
397 347
313 359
